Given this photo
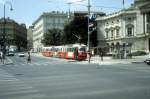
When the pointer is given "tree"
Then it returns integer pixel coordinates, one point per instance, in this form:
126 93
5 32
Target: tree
79 27
53 37
76 27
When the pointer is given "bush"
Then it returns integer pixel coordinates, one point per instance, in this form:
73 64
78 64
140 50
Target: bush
137 53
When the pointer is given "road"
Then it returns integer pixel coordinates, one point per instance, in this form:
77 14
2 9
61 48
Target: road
46 78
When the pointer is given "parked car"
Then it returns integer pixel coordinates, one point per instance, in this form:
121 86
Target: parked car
147 61
10 53
1 55
21 54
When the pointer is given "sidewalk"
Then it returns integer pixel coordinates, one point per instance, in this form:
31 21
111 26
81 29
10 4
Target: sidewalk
6 61
110 60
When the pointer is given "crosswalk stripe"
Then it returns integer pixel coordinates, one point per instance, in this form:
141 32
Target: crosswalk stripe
13 88
37 63
18 92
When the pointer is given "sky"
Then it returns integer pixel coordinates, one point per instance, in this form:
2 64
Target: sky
27 11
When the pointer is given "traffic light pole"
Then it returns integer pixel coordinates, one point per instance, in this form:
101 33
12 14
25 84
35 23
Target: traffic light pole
4 31
88 43
4 36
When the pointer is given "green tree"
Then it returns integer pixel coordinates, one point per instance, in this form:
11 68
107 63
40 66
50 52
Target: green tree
53 37
77 27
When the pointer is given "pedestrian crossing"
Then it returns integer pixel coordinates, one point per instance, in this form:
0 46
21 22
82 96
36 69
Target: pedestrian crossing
13 88
37 64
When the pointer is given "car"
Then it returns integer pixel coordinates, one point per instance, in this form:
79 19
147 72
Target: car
10 53
21 54
1 55
147 61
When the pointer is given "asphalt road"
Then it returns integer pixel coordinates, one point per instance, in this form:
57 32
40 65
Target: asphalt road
45 78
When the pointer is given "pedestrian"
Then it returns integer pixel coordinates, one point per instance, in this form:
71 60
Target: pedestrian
101 53
29 58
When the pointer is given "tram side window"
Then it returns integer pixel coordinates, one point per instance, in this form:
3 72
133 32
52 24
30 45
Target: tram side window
72 49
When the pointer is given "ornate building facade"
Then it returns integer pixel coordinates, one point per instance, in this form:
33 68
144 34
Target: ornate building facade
127 30
15 34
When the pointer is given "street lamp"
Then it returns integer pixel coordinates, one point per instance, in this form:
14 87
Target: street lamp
4 31
69 5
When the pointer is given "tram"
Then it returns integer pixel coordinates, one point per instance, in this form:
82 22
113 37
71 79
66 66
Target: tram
71 51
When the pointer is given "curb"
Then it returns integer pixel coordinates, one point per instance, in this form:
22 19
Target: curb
137 62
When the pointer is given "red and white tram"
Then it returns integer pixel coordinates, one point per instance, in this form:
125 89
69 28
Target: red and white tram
72 51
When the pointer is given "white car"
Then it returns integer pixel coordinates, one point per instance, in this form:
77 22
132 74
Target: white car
21 55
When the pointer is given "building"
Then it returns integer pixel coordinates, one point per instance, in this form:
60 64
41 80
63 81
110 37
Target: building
15 34
126 31
45 22
30 37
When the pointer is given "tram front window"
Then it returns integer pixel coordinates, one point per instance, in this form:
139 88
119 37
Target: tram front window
82 49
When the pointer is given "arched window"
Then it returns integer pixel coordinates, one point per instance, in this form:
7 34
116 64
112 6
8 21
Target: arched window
106 33
117 31
129 30
112 47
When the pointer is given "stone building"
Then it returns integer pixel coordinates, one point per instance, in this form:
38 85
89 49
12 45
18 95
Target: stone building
30 37
15 34
127 30
45 22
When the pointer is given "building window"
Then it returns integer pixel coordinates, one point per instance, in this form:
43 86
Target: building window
117 21
117 32
107 34
148 22
112 33
129 31
107 23
129 19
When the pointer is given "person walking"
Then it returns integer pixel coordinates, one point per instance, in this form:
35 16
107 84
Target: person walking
101 53
29 58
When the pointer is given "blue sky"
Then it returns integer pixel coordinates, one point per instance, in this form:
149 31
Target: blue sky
27 11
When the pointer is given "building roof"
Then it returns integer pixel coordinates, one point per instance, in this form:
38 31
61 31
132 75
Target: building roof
8 20
130 10
53 13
